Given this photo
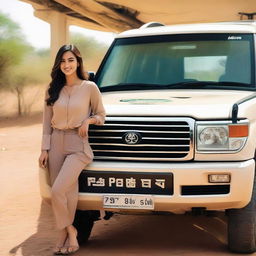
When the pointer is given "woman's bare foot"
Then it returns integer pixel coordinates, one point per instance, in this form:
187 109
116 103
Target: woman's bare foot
61 241
63 249
73 245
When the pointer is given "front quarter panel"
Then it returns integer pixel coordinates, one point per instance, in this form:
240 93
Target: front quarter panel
247 110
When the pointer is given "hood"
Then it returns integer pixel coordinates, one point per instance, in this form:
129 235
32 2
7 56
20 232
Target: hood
198 104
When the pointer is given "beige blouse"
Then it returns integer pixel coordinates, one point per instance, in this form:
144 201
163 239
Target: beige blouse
71 109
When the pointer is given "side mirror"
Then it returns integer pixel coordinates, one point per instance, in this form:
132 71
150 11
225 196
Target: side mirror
91 76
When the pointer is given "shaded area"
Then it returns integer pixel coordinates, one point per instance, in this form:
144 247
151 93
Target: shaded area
136 235
155 235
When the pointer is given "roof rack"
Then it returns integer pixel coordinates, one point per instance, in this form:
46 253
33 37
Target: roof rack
249 15
152 24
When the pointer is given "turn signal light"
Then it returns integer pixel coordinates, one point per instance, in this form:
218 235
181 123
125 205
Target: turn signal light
238 130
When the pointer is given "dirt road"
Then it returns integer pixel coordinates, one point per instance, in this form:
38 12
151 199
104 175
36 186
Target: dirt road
27 225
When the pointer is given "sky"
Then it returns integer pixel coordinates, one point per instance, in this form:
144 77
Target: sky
22 13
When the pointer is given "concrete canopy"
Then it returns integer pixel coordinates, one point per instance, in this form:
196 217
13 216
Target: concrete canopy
120 15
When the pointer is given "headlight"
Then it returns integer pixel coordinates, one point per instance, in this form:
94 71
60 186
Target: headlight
225 137
214 135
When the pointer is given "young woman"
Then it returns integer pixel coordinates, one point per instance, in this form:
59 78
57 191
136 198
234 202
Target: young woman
72 104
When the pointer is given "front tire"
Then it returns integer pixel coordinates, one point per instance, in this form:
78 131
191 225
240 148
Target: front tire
83 222
242 227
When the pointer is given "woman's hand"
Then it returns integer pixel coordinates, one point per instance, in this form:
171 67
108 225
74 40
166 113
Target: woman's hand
43 159
83 129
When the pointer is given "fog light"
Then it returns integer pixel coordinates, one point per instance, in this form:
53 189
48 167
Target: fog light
219 178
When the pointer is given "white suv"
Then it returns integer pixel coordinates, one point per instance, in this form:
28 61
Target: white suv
180 133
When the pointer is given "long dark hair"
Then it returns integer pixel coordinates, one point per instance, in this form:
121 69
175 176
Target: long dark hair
58 78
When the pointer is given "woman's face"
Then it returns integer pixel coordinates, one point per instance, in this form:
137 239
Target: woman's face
68 64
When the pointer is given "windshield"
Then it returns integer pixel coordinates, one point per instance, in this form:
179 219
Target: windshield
222 60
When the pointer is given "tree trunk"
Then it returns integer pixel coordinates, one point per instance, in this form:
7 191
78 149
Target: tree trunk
19 99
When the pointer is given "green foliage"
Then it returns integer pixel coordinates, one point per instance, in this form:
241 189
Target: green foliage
13 47
33 69
92 50
8 28
43 52
22 65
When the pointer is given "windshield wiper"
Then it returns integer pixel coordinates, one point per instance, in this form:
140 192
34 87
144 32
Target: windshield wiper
203 84
179 85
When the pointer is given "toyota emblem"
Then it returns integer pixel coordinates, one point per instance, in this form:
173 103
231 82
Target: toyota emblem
132 138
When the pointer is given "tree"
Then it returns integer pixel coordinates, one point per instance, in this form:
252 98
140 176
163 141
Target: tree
33 70
20 64
92 51
12 48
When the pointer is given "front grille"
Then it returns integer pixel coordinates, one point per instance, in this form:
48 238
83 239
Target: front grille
151 138
205 190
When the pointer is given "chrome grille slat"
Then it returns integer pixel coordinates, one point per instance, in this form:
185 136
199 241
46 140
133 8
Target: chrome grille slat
144 138
103 137
128 151
145 125
151 159
136 145
162 138
166 139
142 131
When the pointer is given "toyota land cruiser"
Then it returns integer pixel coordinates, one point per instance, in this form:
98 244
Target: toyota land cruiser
180 132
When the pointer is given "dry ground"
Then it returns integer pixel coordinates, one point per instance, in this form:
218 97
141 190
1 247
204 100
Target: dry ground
27 225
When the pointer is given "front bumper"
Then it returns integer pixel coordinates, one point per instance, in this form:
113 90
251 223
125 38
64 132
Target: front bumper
184 174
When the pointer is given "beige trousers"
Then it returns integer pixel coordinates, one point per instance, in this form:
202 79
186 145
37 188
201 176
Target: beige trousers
67 158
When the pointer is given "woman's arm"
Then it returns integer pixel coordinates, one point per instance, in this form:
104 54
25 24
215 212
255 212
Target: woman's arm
47 129
46 138
98 111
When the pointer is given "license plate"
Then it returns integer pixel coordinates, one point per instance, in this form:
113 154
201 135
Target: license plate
128 183
128 201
